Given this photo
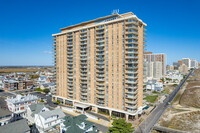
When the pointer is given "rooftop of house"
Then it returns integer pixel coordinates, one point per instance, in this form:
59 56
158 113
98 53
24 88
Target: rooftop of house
19 126
4 112
20 98
73 124
36 108
56 112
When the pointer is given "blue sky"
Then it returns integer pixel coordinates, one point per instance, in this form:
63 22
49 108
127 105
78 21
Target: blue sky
26 26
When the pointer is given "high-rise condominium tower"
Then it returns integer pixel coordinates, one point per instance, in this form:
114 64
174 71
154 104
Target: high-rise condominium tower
99 63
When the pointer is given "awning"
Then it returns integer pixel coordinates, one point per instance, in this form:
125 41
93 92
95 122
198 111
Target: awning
83 106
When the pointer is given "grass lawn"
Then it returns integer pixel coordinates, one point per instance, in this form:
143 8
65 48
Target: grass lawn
151 98
166 90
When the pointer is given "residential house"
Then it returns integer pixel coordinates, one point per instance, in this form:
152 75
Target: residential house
77 124
42 80
1 82
19 104
5 116
47 120
35 109
19 126
10 84
154 85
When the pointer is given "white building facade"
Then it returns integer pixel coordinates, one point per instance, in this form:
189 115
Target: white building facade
19 104
45 121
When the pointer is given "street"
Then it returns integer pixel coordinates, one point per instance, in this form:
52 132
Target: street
147 125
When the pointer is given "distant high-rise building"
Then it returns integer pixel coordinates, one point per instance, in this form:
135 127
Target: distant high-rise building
190 63
194 63
183 69
171 68
99 63
180 62
187 62
155 65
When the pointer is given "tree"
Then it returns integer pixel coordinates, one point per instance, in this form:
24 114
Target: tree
58 101
34 76
120 126
46 91
163 80
38 89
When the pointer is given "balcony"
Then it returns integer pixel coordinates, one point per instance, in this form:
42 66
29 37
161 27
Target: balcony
100 46
131 42
132 92
83 55
99 28
83 74
83 39
99 33
134 22
70 73
69 52
83 31
131 101
100 88
100 62
83 49
131 87
100 53
83 59
131 62
100 75
100 71
84 94
100 37
84 78
69 34
83 70
131 82
131 47
69 38
131 97
70 70
69 66
100 96
131 67
131 72
132 77
99 67
69 45
132 27
131 107
100 50
100 92
131 57
83 86
131 32
82 63
70 91
131 52
100 102
83 42
100 41
84 98
83 66
100 79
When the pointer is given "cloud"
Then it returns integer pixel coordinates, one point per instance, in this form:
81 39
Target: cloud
47 52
